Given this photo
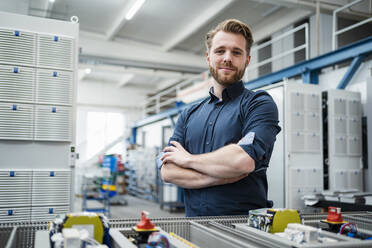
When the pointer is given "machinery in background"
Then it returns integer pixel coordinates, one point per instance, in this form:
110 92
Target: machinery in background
79 230
342 143
272 220
206 232
303 143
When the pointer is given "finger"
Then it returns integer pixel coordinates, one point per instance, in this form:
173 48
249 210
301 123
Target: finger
170 149
165 148
162 157
176 144
166 156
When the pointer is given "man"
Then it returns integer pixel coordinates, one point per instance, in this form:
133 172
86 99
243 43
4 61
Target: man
221 147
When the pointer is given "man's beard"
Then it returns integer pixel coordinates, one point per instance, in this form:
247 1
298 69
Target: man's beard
227 80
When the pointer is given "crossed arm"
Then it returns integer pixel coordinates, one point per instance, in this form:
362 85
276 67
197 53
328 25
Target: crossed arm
225 165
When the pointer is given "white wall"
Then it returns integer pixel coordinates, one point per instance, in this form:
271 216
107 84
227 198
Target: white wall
104 94
325 39
18 7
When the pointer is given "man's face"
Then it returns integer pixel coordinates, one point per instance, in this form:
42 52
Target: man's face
227 58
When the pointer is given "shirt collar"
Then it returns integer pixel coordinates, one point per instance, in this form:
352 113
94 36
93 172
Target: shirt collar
232 91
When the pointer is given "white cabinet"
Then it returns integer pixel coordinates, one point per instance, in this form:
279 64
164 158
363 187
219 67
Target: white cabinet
17 84
51 187
55 52
36 195
54 87
15 188
47 213
53 123
17 47
16 121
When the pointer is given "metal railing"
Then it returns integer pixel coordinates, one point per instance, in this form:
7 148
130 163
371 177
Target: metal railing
154 104
305 46
336 32
156 100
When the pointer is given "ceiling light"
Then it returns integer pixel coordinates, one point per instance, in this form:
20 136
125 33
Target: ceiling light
88 70
133 10
52 1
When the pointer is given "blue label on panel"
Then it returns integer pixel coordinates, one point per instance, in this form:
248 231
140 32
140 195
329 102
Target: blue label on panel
16 33
51 174
55 38
54 109
54 74
50 210
10 212
14 107
11 173
15 69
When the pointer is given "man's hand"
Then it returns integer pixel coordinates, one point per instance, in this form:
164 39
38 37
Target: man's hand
176 154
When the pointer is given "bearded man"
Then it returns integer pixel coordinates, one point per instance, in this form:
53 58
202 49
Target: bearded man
221 147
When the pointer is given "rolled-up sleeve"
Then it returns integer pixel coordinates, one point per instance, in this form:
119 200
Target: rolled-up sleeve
260 127
179 130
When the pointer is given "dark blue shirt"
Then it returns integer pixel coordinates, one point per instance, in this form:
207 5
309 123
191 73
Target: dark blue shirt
243 117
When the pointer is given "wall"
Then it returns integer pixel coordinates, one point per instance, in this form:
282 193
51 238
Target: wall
325 39
105 94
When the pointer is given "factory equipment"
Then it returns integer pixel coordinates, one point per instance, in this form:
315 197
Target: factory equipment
303 142
342 116
38 71
272 220
221 231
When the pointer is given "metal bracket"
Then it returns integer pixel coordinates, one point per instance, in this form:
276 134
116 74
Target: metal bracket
357 61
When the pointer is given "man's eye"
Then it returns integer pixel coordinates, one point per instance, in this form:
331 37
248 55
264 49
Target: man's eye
237 53
219 51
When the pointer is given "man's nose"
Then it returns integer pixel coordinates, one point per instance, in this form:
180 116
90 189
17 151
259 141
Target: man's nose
227 57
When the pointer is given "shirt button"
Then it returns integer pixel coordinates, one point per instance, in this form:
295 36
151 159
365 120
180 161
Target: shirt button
207 142
210 123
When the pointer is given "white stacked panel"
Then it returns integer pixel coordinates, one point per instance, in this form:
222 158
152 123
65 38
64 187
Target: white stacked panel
53 123
17 47
15 188
51 188
16 121
344 140
303 142
15 214
26 60
55 52
54 87
17 84
48 213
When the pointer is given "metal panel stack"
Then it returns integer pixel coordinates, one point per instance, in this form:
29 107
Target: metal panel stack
303 138
38 62
33 195
344 125
47 91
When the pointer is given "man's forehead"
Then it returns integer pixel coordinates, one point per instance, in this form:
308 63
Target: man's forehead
230 40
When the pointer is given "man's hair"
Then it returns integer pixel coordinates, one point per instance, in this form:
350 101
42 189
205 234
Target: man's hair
231 26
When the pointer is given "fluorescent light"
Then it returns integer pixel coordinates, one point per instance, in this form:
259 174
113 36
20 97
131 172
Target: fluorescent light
88 70
52 1
133 10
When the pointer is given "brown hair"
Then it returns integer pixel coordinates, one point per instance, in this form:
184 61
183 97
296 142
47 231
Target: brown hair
231 26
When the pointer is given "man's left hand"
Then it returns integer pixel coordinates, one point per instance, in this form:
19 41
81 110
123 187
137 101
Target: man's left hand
176 154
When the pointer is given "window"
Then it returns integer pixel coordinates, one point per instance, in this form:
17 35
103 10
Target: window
103 128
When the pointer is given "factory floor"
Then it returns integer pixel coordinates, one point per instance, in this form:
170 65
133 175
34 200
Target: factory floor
132 209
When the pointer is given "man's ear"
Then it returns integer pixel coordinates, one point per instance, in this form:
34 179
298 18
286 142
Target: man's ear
248 60
207 56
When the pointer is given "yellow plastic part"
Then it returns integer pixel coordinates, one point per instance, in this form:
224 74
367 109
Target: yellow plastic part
94 220
184 241
145 230
109 187
282 217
